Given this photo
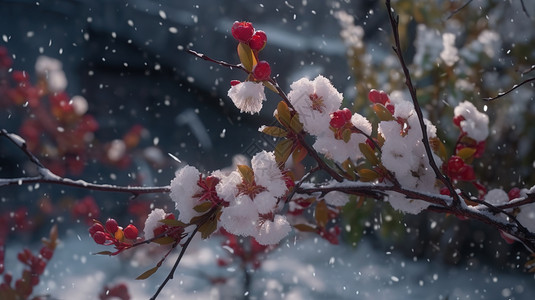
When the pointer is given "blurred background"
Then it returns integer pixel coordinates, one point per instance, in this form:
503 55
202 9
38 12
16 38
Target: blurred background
130 96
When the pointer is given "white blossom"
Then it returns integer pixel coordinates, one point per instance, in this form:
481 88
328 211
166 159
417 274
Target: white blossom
247 96
52 70
314 101
450 53
183 187
336 198
152 222
272 232
475 123
241 217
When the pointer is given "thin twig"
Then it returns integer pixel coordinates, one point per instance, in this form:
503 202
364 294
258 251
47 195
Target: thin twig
219 62
425 140
510 90
46 176
177 262
458 9
524 9
171 274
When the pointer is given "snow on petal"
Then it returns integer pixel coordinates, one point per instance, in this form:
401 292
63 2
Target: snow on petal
272 232
227 187
336 198
265 202
268 174
152 222
361 123
183 187
401 203
450 53
496 197
248 96
241 217
475 123
314 101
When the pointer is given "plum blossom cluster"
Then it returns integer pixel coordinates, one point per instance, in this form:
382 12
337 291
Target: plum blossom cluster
338 132
249 95
246 201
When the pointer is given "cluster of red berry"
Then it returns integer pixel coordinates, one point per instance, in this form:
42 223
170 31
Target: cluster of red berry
36 265
253 41
113 234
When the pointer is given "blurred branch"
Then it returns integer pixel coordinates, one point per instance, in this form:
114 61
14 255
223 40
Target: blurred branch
394 21
46 176
459 9
509 90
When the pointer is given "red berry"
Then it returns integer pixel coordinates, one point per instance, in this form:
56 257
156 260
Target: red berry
95 228
258 40
46 253
234 82
455 164
376 96
467 173
514 193
457 120
390 108
20 76
7 278
131 232
242 31
111 225
262 70
99 237
480 148
445 191
340 117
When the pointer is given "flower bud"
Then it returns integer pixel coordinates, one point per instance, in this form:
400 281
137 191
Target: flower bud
258 40
242 31
262 70
95 228
376 96
131 232
99 237
111 225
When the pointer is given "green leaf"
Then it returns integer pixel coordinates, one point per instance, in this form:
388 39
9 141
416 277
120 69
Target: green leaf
466 153
295 124
368 152
103 253
147 273
367 175
246 55
173 223
270 86
346 135
274 131
283 114
203 207
382 113
247 173
208 228
304 228
299 153
165 240
283 151
321 213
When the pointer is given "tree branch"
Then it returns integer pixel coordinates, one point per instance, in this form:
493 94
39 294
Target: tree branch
509 90
394 22
46 176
